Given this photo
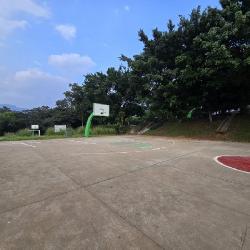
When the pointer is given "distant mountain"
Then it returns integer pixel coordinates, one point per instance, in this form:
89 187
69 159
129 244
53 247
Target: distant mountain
12 107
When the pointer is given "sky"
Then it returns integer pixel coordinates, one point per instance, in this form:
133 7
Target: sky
45 45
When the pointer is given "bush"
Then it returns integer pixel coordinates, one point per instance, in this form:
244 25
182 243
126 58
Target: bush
123 129
61 132
103 130
24 132
79 131
134 120
9 134
69 132
50 131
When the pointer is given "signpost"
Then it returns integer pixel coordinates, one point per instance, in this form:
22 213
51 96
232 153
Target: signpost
98 110
58 128
35 128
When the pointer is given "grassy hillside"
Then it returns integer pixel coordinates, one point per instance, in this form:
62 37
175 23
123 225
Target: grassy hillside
239 130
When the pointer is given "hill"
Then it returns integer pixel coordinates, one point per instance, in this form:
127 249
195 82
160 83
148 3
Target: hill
239 129
12 107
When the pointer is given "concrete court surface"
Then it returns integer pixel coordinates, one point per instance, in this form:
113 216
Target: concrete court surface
122 192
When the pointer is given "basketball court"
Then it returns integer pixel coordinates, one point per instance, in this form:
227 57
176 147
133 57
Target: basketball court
123 192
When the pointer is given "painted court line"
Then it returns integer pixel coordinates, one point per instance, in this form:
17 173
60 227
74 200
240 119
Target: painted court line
224 165
84 142
23 143
119 152
28 145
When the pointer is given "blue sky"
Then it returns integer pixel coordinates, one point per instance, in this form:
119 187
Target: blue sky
45 45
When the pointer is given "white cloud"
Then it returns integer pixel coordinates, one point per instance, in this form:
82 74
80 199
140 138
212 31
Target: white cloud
126 8
118 11
32 87
8 10
34 73
7 26
67 31
72 62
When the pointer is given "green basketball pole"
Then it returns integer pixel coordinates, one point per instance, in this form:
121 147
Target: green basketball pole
88 125
190 113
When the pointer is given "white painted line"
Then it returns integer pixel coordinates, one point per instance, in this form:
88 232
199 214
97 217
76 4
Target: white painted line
84 142
28 145
23 143
98 153
220 163
15 143
119 152
168 141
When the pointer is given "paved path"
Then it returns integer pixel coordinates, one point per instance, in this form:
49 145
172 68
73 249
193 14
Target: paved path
124 192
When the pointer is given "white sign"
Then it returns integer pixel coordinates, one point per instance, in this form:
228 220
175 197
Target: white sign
100 109
34 126
59 128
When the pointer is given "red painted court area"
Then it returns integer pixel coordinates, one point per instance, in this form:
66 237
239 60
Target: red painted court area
241 163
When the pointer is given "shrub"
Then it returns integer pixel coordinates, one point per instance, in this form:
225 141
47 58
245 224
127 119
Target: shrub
69 132
79 130
9 134
61 132
24 132
103 130
50 131
134 120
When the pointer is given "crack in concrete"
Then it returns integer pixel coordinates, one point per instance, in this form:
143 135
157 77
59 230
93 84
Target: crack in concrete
209 201
108 207
243 237
123 218
41 200
85 187
140 168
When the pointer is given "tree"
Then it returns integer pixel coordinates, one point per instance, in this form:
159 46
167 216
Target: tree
7 122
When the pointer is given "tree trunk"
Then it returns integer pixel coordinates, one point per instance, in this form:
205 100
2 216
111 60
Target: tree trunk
210 116
82 119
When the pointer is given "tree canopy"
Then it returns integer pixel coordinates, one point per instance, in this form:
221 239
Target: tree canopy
202 62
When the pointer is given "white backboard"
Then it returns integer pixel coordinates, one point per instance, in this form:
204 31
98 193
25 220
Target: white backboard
59 128
34 126
100 109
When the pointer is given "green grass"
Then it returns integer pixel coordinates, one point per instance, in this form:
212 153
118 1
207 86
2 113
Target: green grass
202 129
24 132
103 130
20 138
49 134
239 130
79 131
